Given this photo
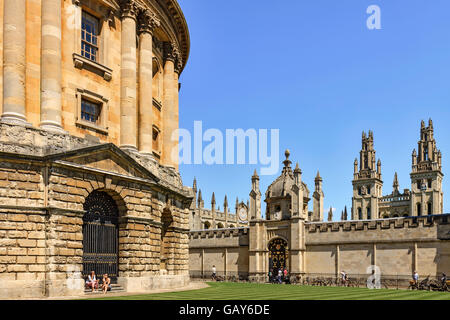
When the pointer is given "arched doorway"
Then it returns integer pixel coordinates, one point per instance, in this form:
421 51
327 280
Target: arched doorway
278 255
100 235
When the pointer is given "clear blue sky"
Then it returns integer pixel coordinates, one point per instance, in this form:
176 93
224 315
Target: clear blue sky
313 69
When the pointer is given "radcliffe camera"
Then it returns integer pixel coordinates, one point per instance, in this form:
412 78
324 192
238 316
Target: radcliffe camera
188 153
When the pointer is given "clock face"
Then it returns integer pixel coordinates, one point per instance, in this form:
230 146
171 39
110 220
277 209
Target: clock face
243 214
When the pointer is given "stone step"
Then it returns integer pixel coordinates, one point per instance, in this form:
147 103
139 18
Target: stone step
114 288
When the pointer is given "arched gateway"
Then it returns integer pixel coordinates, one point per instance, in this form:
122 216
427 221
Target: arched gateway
100 235
278 255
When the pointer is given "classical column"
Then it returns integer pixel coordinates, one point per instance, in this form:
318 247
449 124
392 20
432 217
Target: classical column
51 65
128 112
147 23
170 105
14 61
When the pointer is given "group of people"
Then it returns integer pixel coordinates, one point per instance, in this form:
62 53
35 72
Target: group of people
416 278
281 275
93 283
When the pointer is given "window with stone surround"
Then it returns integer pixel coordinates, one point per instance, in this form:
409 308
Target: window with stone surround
89 36
92 111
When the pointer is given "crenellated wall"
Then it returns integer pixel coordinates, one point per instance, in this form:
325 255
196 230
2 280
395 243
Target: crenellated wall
226 249
398 246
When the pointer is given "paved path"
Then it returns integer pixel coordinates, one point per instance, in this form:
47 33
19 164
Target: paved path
193 285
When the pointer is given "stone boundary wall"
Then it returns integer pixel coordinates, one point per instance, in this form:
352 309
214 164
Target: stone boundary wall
397 246
226 249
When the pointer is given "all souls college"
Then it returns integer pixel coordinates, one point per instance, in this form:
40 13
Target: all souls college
88 180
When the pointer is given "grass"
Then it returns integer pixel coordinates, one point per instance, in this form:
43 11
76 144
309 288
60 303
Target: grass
254 291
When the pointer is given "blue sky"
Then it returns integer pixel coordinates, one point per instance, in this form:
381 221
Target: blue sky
313 70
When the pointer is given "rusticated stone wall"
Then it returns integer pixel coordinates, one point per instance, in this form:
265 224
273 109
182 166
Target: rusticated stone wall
41 215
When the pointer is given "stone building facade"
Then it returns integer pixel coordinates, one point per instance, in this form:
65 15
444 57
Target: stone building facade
88 168
292 237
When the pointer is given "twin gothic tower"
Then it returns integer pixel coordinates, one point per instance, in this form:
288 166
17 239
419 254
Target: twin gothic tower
425 196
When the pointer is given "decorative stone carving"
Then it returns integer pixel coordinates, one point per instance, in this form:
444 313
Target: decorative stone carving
129 9
172 53
147 21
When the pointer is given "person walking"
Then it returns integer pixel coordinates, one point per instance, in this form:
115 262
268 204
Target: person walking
213 272
416 278
280 275
285 273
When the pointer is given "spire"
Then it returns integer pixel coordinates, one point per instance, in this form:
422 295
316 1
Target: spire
345 213
395 184
194 185
330 214
355 166
200 200
379 166
213 199
422 124
430 123
318 177
225 202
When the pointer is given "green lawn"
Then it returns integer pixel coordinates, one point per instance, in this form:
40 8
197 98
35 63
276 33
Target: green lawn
253 291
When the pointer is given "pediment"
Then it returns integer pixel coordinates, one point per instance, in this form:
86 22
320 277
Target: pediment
106 158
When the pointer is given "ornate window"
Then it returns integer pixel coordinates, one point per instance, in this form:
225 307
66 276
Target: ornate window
430 208
360 214
89 36
369 214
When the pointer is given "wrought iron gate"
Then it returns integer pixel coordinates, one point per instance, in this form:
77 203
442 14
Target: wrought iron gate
100 235
278 255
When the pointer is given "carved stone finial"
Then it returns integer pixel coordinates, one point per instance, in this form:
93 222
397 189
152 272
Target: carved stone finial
147 21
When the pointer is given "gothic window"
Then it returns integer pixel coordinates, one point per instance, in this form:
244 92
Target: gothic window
207 225
220 226
368 189
425 154
419 209
418 184
359 191
360 214
89 36
369 214
430 208
430 183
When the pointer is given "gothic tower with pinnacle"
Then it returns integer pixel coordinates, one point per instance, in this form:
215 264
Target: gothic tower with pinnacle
367 183
426 175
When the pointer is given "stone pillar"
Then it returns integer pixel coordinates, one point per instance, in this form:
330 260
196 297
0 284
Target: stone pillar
51 105
128 112
147 23
14 61
170 105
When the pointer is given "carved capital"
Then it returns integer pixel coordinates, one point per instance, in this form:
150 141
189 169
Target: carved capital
147 21
128 8
172 53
